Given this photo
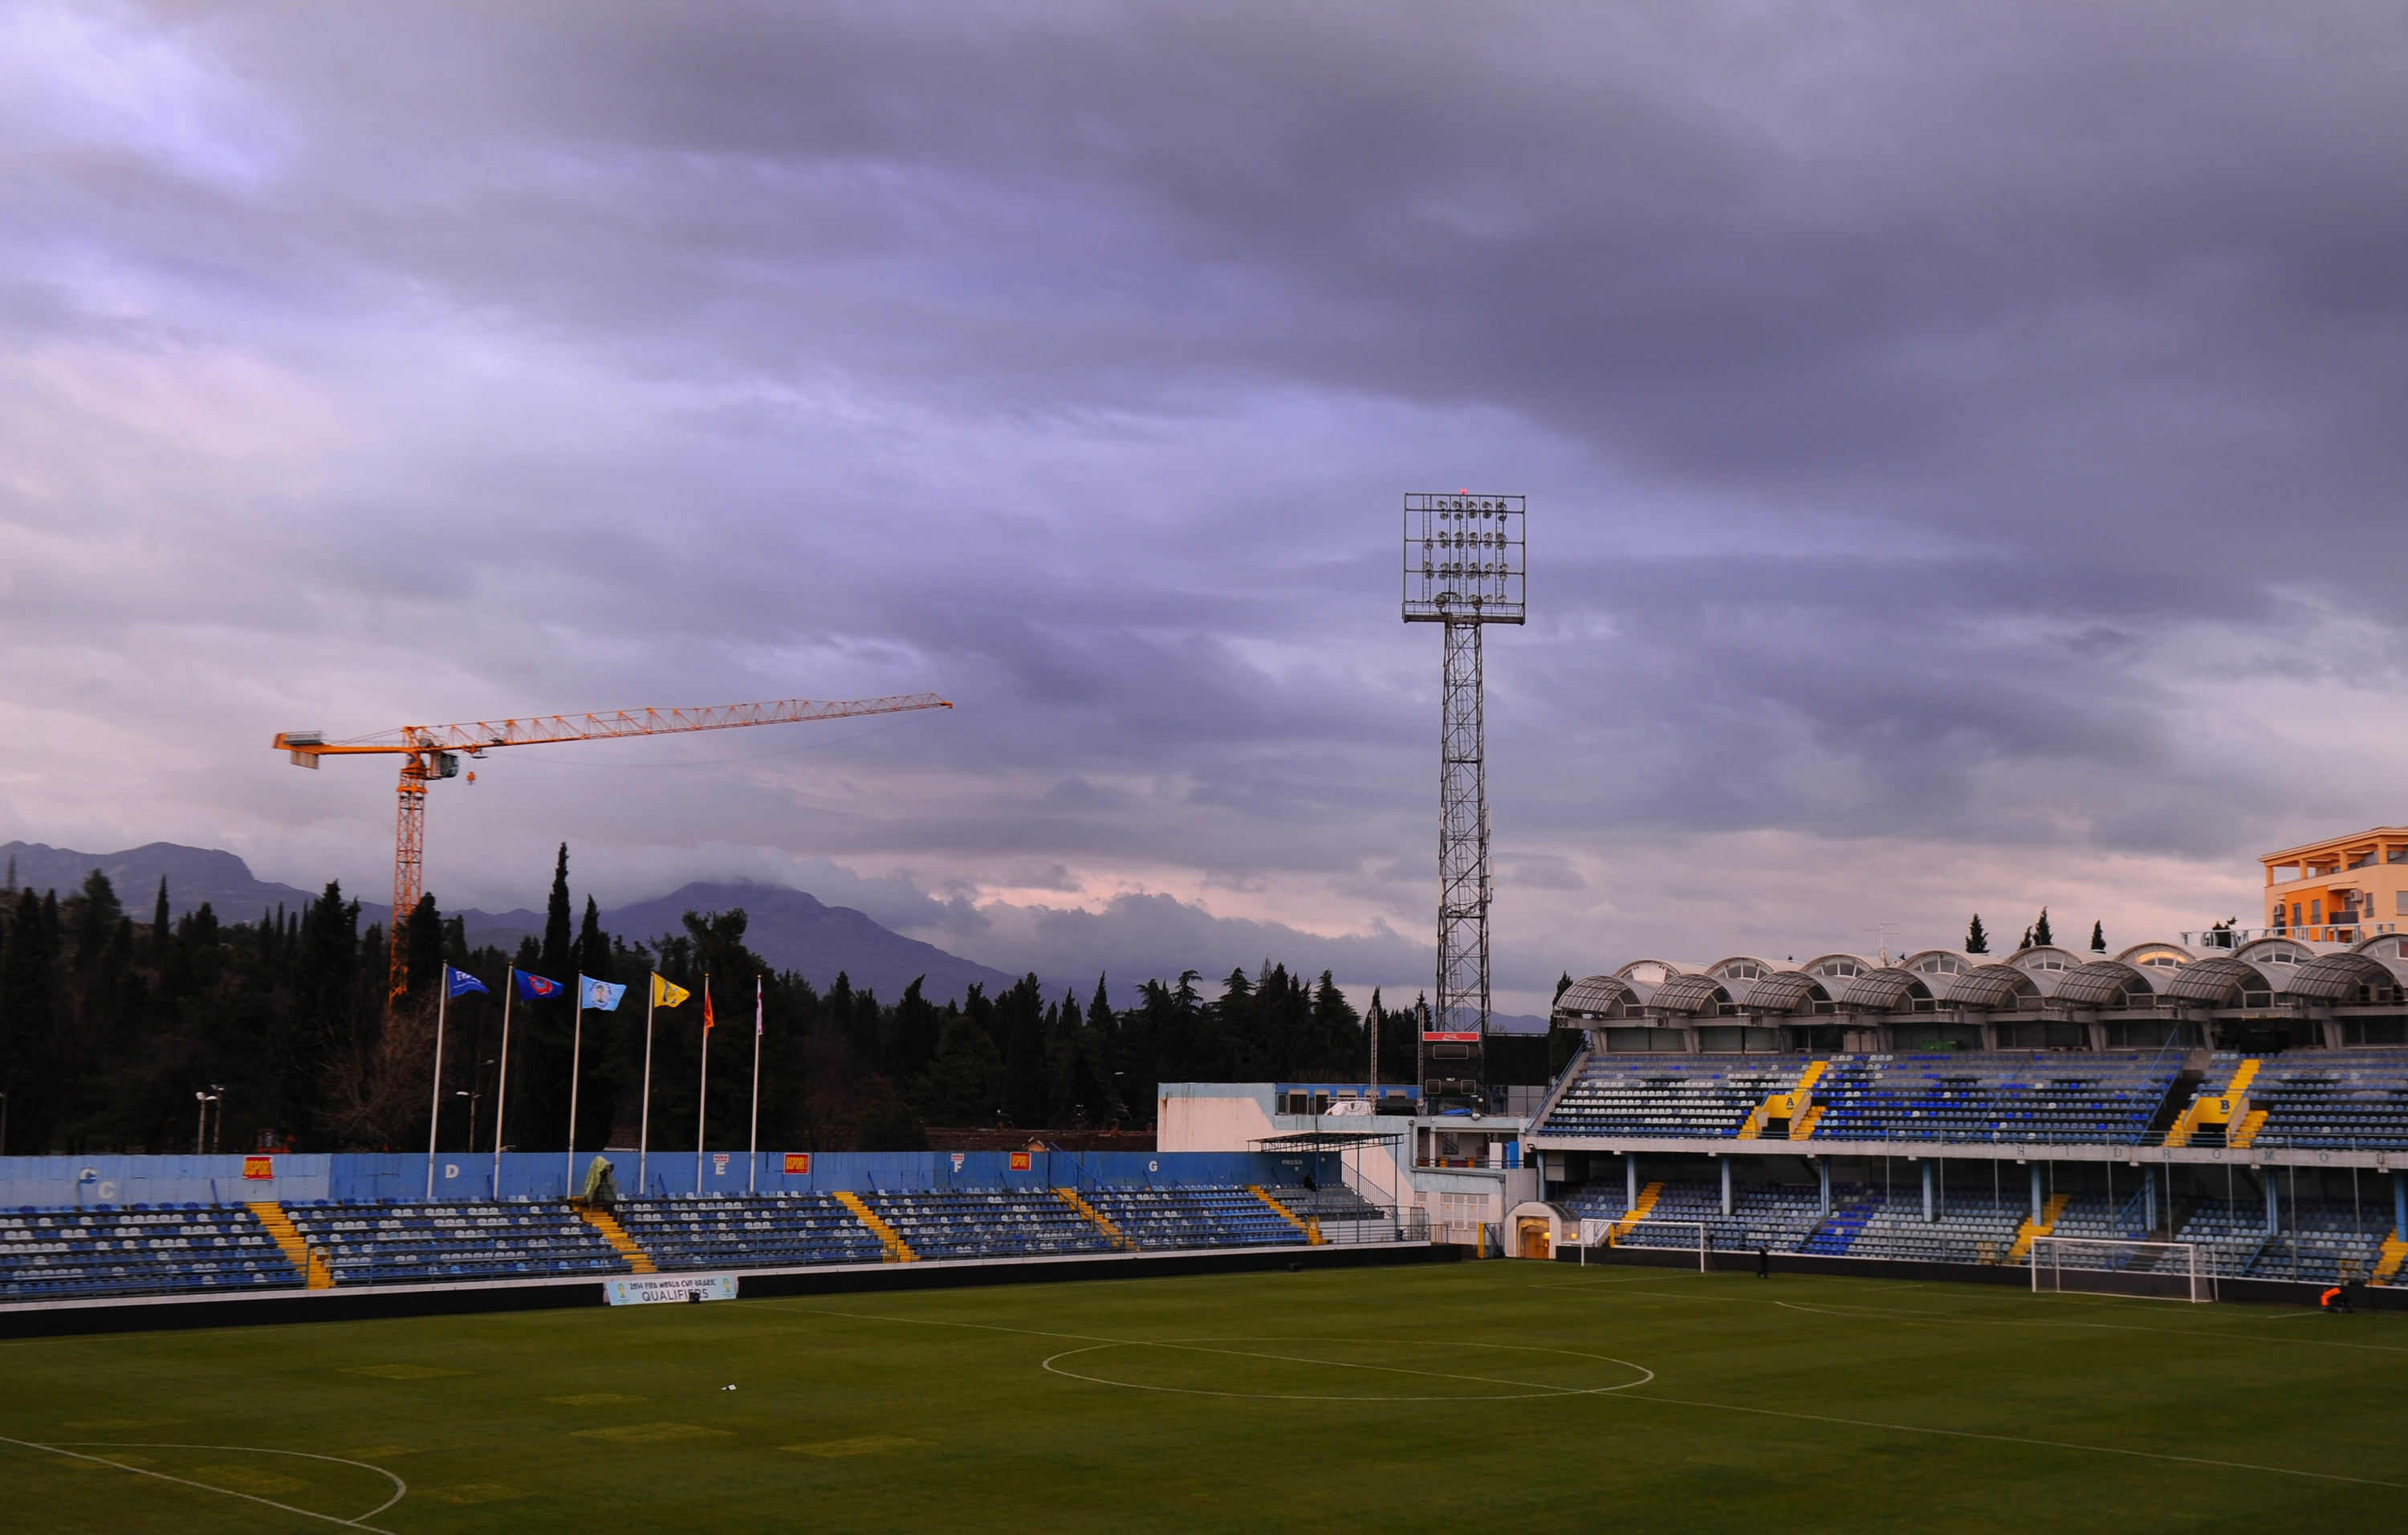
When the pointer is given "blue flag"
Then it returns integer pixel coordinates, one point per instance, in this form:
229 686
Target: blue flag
532 988
600 996
461 982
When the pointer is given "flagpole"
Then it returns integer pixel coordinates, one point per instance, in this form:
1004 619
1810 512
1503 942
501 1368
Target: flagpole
435 1114
702 1094
501 1085
644 1116
753 1174
575 1044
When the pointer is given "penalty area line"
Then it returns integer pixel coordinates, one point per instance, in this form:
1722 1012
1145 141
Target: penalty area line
2007 1439
186 1482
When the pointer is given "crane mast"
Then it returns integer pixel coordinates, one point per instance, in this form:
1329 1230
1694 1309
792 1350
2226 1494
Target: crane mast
432 752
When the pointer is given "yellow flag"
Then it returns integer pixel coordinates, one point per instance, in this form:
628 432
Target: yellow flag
665 994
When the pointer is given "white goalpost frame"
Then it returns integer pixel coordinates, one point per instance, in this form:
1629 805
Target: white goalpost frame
2046 1260
1595 1232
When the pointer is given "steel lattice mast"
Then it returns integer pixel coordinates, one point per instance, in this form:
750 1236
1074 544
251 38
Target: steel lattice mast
1464 570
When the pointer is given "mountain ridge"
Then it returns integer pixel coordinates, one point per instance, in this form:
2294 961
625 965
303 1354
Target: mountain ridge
792 929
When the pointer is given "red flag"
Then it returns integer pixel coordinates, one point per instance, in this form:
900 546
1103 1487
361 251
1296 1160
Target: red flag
707 1019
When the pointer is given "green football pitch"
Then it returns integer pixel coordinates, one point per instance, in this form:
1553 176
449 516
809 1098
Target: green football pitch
1475 1395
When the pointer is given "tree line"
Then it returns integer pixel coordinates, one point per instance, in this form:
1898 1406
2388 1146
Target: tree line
110 1026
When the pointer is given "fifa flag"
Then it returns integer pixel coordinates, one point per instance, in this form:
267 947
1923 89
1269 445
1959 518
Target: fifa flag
600 996
534 988
461 983
667 994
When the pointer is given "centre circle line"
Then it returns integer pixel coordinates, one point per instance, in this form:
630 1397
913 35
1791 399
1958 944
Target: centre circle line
1528 1389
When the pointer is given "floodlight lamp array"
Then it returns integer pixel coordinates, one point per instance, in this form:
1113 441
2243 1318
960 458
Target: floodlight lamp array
1464 558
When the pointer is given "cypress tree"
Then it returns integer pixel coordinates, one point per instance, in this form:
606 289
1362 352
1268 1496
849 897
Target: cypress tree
2099 937
557 957
1023 1054
28 976
422 941
1977 941
2041 936
305 1037
913 1046
159 924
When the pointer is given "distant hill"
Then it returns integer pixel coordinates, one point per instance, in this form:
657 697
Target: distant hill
795 932
193 875
789 928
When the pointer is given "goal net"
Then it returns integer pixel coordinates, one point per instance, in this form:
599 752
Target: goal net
2168 1271
1678 1235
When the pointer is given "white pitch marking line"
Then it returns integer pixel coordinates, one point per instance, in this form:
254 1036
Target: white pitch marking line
1197 1346
400 1487
2014 1439
224 1492
1869 1313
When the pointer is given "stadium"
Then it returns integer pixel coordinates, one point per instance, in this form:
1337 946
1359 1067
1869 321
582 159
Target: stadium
1773 1223
971 525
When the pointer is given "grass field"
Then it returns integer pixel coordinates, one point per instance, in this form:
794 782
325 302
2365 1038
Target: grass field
1481 1395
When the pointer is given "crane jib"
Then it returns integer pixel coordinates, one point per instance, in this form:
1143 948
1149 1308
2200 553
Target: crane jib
427 752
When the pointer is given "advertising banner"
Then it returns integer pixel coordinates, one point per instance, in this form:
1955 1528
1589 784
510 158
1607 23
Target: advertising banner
259 1167
799 1162
654 1289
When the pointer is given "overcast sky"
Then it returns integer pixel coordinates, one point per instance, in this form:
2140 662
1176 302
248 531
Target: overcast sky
1964 448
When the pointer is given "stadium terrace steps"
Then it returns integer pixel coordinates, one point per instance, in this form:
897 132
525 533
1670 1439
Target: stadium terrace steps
639 1261
86 1253
1196 1215
897 1251
1786 1106
418 1243
1111 1233
80 1253
1311 1229
1637 1212
2387 1265
2029 1231
985 1223
2215 1106
751 1231
297 1253
1961 1096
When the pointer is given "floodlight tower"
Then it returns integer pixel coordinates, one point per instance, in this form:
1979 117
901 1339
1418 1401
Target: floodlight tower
1464 569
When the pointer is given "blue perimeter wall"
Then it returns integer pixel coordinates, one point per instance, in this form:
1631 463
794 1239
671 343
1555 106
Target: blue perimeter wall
125 1180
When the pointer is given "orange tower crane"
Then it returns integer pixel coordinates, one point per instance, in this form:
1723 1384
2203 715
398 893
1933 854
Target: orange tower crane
431 751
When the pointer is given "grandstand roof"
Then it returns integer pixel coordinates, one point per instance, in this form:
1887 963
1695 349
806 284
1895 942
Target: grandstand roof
2099 983
1604 996
1687 994
2337 978
2213 982
1884 991
1784 991
1990 986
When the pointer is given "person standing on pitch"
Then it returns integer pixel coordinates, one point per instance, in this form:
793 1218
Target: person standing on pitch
1763 1262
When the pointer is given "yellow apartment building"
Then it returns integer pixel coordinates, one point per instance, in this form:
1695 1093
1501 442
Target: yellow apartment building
2342 890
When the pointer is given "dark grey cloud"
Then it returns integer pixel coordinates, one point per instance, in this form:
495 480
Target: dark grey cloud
1962 431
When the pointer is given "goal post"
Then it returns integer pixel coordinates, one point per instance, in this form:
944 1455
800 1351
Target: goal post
1676 1236
2164 1271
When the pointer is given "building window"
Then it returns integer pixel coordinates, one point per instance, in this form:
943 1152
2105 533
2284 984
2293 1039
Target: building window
2399 903
2316 912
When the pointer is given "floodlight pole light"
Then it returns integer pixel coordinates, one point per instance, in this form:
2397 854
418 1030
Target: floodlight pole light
1465 566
